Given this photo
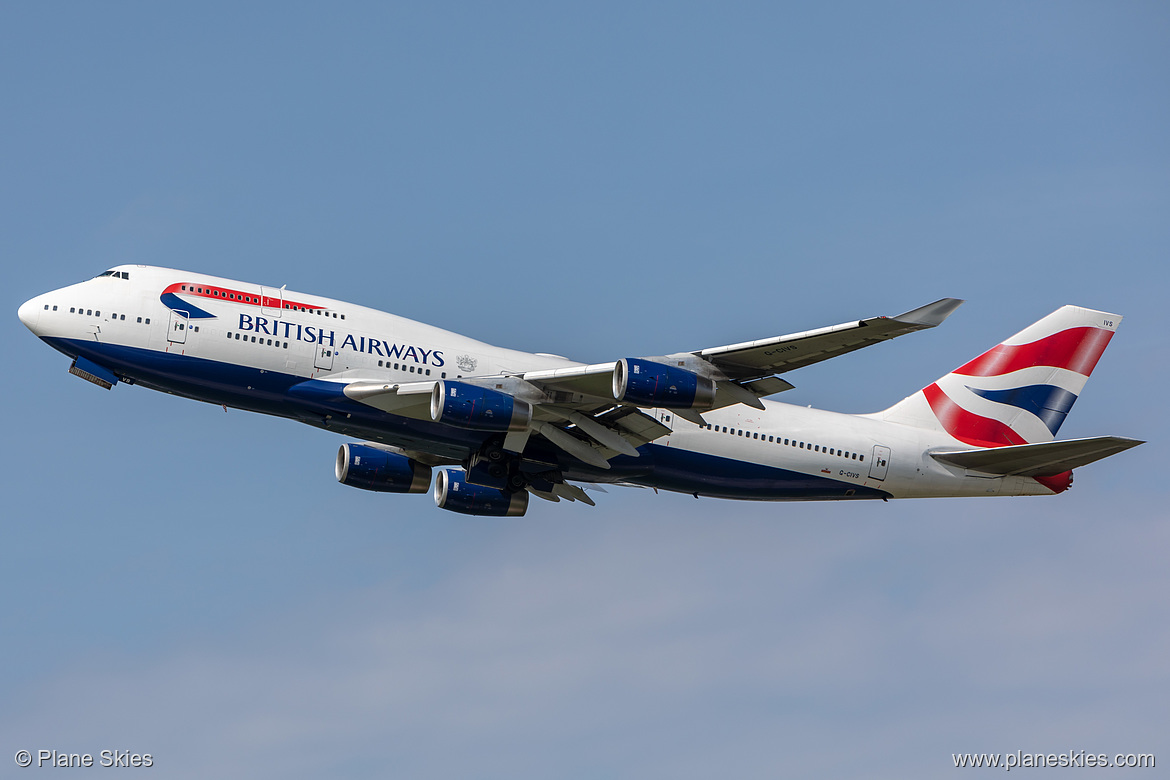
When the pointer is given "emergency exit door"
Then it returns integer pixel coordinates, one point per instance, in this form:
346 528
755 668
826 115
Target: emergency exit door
324 358
177 332
879 462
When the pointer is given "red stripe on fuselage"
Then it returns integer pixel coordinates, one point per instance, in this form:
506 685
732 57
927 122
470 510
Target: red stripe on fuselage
236 296
1077 349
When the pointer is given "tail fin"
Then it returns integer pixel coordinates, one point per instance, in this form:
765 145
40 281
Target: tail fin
1018 392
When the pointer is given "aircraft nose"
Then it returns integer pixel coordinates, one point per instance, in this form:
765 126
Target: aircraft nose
29 313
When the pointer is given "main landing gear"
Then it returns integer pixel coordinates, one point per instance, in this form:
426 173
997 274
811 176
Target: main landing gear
493 466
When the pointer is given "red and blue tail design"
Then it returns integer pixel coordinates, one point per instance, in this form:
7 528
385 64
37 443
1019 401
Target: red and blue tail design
1020 391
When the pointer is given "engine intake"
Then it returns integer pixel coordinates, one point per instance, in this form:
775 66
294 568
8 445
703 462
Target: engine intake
371 468
478 408
646 383
456 494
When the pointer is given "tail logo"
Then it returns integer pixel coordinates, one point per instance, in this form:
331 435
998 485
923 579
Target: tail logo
1017 393
1048 402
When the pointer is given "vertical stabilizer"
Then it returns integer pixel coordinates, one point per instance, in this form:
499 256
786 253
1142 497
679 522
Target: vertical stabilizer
1018 392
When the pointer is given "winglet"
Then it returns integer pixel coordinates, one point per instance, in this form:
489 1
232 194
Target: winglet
931 314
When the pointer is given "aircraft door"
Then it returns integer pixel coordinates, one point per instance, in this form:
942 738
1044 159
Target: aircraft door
177 332
271 301
666 417
880 462
324 358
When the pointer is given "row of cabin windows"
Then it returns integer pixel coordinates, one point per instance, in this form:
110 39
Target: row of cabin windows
253 339
92 313
409 368
252 299
314 311
787 442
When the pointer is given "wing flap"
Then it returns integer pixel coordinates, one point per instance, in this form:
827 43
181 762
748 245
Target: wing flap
769 385
1037 460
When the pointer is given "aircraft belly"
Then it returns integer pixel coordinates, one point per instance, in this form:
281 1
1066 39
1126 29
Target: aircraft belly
267 392
684 471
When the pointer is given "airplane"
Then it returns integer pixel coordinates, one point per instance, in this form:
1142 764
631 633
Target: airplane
501 425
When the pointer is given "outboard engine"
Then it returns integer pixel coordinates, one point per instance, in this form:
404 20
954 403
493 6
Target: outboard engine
372 468
454 493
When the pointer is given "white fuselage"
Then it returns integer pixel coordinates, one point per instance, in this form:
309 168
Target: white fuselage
244 345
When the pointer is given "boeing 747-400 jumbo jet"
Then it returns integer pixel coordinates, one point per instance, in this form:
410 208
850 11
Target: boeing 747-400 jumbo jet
512 424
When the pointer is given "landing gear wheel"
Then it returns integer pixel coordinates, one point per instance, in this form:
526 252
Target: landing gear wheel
493 449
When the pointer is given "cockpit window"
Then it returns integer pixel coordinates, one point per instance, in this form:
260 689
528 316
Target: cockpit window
117 274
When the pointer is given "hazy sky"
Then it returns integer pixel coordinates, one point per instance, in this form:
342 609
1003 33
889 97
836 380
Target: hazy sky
600 181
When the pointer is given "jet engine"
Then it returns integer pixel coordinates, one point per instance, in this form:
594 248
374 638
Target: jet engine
371 468
454 493
478 408
646 383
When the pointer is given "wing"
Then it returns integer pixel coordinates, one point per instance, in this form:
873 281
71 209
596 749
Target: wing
746 372
787 353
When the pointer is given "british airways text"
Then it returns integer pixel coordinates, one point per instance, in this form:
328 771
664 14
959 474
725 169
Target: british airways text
313 335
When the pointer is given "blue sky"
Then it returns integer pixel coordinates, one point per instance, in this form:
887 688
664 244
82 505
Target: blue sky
597 181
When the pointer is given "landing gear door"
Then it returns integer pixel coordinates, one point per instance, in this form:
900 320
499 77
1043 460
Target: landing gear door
324 358
880 462
177 332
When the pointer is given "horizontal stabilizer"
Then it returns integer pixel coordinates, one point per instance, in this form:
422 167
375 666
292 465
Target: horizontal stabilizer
1037 460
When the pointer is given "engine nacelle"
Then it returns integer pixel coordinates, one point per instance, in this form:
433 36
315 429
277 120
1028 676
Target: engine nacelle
370 468
478 408
454 493
646 383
